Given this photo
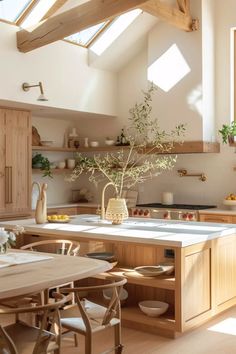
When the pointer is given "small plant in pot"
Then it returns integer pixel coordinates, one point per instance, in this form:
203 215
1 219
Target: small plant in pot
228 132
43 163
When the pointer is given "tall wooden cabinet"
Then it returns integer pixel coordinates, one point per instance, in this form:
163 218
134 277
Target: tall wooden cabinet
15 162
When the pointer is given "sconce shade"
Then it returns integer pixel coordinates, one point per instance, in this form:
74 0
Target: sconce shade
117 210
26 87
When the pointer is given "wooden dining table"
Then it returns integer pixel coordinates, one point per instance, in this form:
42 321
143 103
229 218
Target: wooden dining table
20 279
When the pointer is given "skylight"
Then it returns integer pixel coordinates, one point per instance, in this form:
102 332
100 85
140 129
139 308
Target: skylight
84 37
114 31
37 13
168 69
10 10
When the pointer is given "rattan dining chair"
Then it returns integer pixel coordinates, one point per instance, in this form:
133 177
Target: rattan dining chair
22 338
63 247
94 317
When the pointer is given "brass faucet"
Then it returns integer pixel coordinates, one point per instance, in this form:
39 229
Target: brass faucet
184 173
102 216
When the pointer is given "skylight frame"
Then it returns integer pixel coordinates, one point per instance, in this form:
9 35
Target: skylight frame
25 10
93 38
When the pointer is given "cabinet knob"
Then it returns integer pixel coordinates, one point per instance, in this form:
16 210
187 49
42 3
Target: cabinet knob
1 174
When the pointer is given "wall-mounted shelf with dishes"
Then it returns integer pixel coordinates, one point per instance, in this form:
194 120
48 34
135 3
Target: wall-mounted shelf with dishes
80 149
190 147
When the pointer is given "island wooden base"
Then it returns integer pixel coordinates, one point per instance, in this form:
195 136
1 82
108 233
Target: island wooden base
204 283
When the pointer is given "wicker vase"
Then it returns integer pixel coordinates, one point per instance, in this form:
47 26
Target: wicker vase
117 210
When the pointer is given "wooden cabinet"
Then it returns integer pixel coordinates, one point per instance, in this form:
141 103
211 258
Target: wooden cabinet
15 162
220 218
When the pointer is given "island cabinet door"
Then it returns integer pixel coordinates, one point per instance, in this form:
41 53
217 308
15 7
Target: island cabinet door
15 162
225 272
196 284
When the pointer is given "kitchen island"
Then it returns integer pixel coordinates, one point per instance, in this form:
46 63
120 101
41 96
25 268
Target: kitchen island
204 255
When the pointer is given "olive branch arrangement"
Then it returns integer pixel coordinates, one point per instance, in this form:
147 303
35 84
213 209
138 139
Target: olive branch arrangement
139 161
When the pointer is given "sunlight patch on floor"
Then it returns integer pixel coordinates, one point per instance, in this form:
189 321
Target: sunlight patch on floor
227 326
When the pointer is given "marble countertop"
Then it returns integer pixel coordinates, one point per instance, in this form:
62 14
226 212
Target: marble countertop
174 233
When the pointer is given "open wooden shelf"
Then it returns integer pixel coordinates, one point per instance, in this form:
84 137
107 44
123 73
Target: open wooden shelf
80 149
187 147
53 170
134 314
192 147
161 281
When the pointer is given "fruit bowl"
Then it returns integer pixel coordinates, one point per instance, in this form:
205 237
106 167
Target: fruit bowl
230 203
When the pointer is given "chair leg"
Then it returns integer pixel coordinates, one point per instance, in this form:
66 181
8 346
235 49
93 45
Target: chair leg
88 344
117 335
76 339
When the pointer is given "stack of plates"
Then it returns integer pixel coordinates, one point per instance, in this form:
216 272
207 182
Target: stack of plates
104 256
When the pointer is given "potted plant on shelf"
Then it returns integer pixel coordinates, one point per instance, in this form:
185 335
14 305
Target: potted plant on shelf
228 132
43 163
137 162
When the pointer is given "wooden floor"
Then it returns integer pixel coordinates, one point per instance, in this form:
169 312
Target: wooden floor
199 341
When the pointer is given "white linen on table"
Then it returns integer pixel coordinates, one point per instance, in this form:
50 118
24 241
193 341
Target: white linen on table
14 258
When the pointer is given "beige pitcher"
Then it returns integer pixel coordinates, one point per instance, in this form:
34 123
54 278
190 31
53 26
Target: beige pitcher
41 206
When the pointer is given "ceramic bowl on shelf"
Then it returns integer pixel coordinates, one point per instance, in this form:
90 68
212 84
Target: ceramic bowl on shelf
47 142
153 308
109 142
230 203
94 143
153 271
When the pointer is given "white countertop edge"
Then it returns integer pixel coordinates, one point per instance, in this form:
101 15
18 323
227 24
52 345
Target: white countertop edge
165 236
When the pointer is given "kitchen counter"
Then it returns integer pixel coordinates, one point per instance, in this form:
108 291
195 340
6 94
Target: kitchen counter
203 255
221 211
149 231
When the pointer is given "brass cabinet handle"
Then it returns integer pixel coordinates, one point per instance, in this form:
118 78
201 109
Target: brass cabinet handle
8 190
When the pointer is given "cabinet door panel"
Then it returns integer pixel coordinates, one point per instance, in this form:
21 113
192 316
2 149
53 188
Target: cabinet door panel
196 290
2 159
225 269
16 149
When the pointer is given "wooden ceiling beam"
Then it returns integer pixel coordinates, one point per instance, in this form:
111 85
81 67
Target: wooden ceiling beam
178 17
184 6
72 21
56 6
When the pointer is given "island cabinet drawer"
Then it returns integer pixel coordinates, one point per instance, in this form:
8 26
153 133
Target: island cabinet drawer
220 218
62 211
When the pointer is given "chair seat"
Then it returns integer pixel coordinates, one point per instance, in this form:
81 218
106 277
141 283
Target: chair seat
24 337
96 314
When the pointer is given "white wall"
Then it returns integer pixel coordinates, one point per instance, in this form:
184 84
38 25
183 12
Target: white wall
67 79
132 79
169 108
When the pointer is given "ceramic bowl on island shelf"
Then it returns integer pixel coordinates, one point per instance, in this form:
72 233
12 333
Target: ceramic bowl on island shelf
153 308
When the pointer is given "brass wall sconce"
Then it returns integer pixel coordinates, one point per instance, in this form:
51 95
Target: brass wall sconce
26 87
184 173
